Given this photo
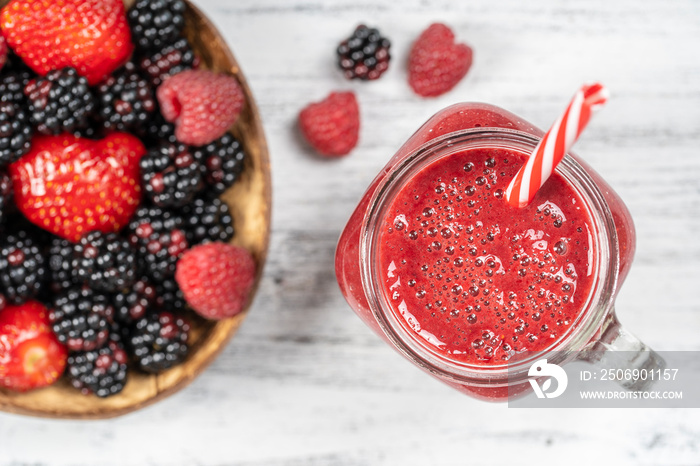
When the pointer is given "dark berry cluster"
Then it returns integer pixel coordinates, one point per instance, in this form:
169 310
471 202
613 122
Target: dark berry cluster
364 55
111 296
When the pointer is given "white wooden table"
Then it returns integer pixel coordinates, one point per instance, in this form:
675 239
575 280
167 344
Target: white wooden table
304 383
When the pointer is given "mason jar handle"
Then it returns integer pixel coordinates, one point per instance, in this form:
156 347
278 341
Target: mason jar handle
616 348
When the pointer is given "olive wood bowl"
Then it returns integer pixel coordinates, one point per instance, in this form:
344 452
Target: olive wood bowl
250 203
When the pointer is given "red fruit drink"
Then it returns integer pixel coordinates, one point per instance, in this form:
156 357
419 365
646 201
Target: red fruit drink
439 264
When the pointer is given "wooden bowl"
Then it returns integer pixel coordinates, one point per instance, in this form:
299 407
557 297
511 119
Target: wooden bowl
250 203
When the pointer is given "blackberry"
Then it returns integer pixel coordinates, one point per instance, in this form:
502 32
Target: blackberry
207 220
156 23
126 100
59 102
223 161
364 55
132 304
15 127
160 240
80 318
60 267
168 61
169 296
158 341
104 261
22 267
157 131
102 371
171 174
5 195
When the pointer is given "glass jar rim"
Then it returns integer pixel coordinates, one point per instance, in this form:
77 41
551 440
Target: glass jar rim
596 307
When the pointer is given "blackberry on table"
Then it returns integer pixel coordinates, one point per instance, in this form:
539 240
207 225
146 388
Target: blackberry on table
171 174
364 55
59 102
169 61
60 264
102 371
133 303
223 162
81 317
126 100
5 195
169 296
207 220
156 23
22 267
104 261
15 127
160 239
158 341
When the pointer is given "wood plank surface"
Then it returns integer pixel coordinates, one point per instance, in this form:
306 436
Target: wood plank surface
304 383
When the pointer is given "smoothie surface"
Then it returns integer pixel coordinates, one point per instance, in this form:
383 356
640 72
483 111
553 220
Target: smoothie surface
474 278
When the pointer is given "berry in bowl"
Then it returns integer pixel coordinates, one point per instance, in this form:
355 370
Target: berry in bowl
134 203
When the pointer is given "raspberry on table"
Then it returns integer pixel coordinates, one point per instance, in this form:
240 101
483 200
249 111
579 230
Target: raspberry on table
207 220
59 102
216 279
104 261
364 55
156 23
168 61
81 317
160 239
171 174
131 304
22 267
436 63
202 104
102 371
158 341
223 161
126 100
332 126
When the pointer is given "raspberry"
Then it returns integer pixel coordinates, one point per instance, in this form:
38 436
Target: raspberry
202 104
436 64
332 126
216 279
364 55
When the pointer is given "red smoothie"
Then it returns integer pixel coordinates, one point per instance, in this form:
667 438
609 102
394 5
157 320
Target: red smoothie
475 279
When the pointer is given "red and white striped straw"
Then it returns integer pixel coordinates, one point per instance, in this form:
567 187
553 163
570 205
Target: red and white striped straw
555 144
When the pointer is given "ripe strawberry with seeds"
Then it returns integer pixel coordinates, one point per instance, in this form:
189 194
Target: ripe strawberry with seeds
70 185
30 354
332 126
92 36
436 63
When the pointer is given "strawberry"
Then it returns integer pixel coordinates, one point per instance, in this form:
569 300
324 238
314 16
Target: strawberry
216 279
90 35
30 354
436 64
332 126
70 185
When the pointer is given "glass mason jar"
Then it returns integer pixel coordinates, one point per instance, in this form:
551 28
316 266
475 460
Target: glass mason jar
595 335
